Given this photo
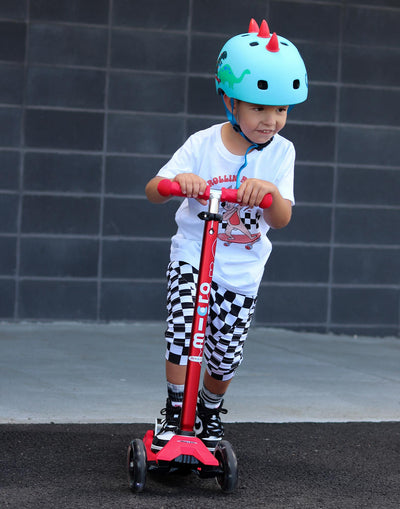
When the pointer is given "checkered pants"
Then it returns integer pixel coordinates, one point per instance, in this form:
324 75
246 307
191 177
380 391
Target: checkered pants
228 322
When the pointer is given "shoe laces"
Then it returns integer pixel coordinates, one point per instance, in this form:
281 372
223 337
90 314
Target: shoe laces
172 414
211 416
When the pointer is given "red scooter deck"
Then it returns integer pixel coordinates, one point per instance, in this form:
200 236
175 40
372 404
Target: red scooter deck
179 445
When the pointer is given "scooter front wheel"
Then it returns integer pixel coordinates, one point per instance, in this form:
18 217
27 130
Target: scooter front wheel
137 465
226 457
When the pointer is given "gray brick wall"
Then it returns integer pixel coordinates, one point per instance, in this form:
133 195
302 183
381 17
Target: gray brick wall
95 95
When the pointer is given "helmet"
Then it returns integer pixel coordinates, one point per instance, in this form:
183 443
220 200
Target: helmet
261 68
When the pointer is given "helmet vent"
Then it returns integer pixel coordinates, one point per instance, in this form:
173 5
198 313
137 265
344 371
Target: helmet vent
254 44
296 84
262 84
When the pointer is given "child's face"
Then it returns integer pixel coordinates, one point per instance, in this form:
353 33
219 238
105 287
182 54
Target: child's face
259 122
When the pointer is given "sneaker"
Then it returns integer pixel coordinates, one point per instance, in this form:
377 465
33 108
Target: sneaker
208 426
169 426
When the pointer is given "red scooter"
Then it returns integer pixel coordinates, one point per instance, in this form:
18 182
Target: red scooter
185 452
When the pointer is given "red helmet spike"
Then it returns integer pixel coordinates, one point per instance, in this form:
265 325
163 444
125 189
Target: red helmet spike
264 30
273 44
253 27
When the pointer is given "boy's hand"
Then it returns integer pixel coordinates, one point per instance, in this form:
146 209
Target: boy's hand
192 186
252 191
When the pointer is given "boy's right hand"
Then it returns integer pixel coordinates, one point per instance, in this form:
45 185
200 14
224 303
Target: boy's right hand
192 186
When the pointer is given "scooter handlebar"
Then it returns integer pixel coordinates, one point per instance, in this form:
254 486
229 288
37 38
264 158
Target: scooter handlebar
167 187
231 196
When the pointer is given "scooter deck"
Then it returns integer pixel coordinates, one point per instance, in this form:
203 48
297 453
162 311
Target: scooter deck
182 454
182 447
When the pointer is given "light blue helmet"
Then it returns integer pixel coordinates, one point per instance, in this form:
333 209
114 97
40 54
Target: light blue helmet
261 68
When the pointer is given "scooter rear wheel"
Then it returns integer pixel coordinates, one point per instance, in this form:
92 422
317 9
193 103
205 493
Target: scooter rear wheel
137 465
226 457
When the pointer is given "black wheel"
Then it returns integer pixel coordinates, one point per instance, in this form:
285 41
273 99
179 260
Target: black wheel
137 465
226 457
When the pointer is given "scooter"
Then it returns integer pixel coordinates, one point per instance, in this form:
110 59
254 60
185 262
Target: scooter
186 453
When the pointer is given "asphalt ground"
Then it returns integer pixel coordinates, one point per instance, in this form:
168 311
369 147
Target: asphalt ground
293 465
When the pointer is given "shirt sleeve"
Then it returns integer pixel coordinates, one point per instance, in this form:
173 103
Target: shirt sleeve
180 162
285 178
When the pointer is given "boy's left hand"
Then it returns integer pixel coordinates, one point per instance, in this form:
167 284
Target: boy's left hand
252 191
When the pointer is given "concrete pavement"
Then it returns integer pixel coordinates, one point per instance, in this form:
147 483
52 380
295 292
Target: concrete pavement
114 373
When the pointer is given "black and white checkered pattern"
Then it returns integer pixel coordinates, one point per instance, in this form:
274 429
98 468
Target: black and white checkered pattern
228 322
249 219
182 280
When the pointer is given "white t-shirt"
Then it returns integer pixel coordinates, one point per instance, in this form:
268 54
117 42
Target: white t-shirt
243 247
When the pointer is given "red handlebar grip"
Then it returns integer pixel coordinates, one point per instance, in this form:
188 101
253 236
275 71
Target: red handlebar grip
167 187
266 202
231 196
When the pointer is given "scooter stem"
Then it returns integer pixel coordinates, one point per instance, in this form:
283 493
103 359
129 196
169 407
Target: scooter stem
206 268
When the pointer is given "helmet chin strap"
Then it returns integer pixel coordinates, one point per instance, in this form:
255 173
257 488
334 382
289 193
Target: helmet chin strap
237 128
257 146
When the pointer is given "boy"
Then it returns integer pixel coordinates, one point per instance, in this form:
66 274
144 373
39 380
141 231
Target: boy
259 78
